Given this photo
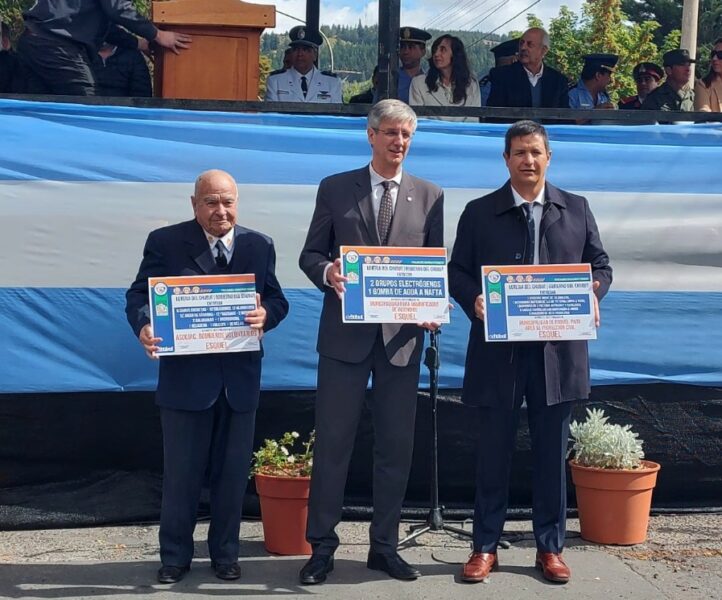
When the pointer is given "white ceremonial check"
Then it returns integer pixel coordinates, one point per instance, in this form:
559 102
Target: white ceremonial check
203 314
533 303
388 284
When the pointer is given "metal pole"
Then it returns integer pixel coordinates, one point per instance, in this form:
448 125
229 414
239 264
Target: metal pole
690 15
313 11
388 56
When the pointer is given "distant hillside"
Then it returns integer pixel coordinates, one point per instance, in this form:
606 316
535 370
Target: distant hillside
355 48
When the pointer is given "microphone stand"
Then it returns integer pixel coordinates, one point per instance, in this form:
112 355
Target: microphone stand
435 518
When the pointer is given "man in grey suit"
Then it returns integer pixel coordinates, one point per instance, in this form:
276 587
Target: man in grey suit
376 205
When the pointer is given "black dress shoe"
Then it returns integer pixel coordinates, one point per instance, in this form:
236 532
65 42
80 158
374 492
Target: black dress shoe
316 569
168 574
227 571
392 564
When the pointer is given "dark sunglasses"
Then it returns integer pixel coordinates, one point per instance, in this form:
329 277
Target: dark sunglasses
716 54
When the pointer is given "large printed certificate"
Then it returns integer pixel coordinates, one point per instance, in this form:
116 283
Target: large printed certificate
203 314
388 284
531 303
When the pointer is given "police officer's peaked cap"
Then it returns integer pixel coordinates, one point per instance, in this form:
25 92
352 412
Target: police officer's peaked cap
677 57
508 48
601 61
302 36
413 35
647 68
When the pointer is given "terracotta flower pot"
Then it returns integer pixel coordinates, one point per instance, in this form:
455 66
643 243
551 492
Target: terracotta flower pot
284 508
614 504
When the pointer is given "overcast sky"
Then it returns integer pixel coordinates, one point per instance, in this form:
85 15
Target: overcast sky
472 15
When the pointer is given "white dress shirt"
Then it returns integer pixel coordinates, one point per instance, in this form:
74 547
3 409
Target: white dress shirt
226 243
534 79
537 208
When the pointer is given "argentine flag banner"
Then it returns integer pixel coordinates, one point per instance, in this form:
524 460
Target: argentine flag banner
82 186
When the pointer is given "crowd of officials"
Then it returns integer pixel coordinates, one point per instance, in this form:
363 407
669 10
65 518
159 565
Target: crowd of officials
83 49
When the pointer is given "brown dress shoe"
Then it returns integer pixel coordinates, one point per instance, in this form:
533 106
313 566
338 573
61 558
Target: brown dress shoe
553 567
478 567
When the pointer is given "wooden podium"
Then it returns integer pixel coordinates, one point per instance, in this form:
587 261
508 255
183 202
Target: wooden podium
222 61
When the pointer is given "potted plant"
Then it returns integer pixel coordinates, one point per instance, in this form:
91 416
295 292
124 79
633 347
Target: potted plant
283 480
613 484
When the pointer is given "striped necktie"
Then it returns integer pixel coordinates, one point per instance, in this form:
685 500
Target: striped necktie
386 213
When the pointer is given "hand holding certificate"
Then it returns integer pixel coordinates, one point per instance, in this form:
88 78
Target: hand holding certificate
394 285
539 303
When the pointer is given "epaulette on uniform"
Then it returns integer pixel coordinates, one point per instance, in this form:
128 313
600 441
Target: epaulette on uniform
329 73
277 72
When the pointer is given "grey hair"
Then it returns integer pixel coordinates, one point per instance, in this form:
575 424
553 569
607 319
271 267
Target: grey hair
523 129
546 42
391 110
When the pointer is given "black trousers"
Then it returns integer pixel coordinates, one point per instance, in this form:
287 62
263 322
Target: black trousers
549 431
339 401
52 64
213 444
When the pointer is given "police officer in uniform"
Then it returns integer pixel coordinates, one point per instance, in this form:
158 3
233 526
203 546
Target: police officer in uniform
647 76
303 82
412 48
591 89
506 53
675 93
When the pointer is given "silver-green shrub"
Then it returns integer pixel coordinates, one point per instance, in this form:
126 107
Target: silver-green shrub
598 443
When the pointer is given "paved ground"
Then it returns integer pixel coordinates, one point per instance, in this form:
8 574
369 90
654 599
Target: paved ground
681 560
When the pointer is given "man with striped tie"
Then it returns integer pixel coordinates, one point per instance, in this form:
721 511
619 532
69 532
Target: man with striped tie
379 204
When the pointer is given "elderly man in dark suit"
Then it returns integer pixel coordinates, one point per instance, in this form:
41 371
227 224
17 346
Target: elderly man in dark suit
207 401
529 82
378 204
526 221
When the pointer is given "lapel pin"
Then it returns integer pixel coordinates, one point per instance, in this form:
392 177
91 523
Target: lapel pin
409 198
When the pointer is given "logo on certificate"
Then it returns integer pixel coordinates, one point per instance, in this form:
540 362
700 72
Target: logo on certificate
160 288
494 277
352 257
494 298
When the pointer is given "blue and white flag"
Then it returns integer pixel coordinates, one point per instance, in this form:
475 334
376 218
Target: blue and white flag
82 186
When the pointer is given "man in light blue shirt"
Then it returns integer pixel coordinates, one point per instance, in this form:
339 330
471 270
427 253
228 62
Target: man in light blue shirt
412 48
591 89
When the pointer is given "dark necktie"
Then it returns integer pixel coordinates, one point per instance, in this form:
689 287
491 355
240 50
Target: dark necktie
304 85
529 210
386 213
220 256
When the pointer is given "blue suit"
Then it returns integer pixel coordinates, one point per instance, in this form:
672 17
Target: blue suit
207 401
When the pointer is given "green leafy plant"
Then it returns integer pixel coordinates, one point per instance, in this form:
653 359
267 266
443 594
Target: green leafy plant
276 457
598 443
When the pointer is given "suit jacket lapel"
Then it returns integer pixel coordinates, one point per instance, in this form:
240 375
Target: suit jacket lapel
404 204
524 84
363 195
199 249
554 203
241 254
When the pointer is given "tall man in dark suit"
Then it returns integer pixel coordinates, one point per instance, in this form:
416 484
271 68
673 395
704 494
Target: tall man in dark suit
529 82
207 401
526 221
378 204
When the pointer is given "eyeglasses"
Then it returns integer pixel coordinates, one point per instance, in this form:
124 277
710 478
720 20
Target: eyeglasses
394 133
716 54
